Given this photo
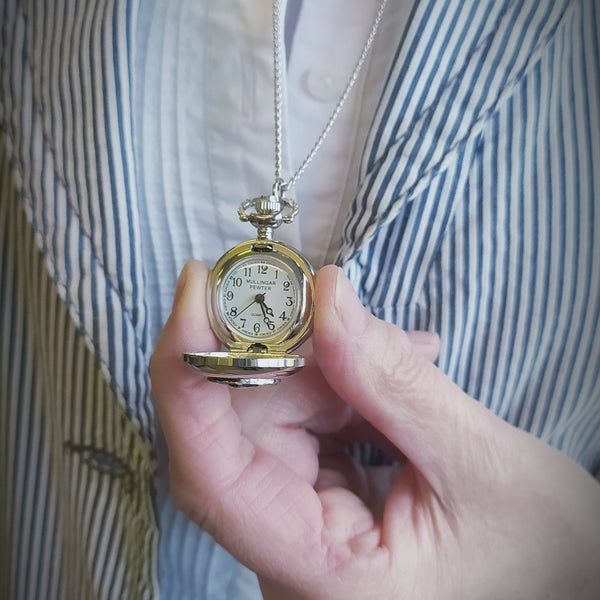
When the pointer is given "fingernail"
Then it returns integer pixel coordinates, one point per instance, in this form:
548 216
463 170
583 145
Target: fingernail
181 283
425 343
353 315
423 338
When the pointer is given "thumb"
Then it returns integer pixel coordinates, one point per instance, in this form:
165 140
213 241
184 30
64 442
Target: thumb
383 374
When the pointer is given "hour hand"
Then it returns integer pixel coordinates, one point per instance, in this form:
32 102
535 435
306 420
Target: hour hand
267 312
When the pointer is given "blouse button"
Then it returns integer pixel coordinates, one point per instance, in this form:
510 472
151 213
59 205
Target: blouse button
324 85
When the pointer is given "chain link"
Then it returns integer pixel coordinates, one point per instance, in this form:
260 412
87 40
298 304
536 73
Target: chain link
277 85
278 93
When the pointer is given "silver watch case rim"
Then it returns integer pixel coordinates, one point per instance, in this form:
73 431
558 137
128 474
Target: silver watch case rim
241 364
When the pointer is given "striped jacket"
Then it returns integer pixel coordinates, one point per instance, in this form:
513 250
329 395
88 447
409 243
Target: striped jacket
474 216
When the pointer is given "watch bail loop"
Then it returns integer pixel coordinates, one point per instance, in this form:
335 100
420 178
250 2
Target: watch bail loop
268 212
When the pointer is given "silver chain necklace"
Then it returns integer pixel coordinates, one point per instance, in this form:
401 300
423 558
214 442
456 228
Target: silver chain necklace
278 94
261 291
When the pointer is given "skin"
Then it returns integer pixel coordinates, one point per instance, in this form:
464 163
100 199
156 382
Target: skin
479 509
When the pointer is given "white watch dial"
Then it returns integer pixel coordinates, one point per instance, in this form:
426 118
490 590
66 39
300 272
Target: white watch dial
260 298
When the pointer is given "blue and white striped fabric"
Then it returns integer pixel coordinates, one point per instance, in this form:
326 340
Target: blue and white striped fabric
477 211
76 420
76 476
475 216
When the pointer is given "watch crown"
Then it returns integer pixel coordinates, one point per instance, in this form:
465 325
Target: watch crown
268 212
267 205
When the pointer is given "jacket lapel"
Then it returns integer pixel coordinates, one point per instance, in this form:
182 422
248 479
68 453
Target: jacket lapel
458 62
79 186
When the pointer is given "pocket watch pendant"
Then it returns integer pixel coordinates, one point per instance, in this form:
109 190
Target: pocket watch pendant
260 302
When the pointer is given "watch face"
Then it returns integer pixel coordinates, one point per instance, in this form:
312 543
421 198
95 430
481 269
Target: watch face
260 298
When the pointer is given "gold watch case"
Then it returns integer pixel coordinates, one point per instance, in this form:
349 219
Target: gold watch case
258 355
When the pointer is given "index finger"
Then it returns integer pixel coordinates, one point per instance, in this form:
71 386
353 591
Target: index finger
241 494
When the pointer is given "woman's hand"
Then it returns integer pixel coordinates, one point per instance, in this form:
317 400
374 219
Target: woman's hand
478 509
